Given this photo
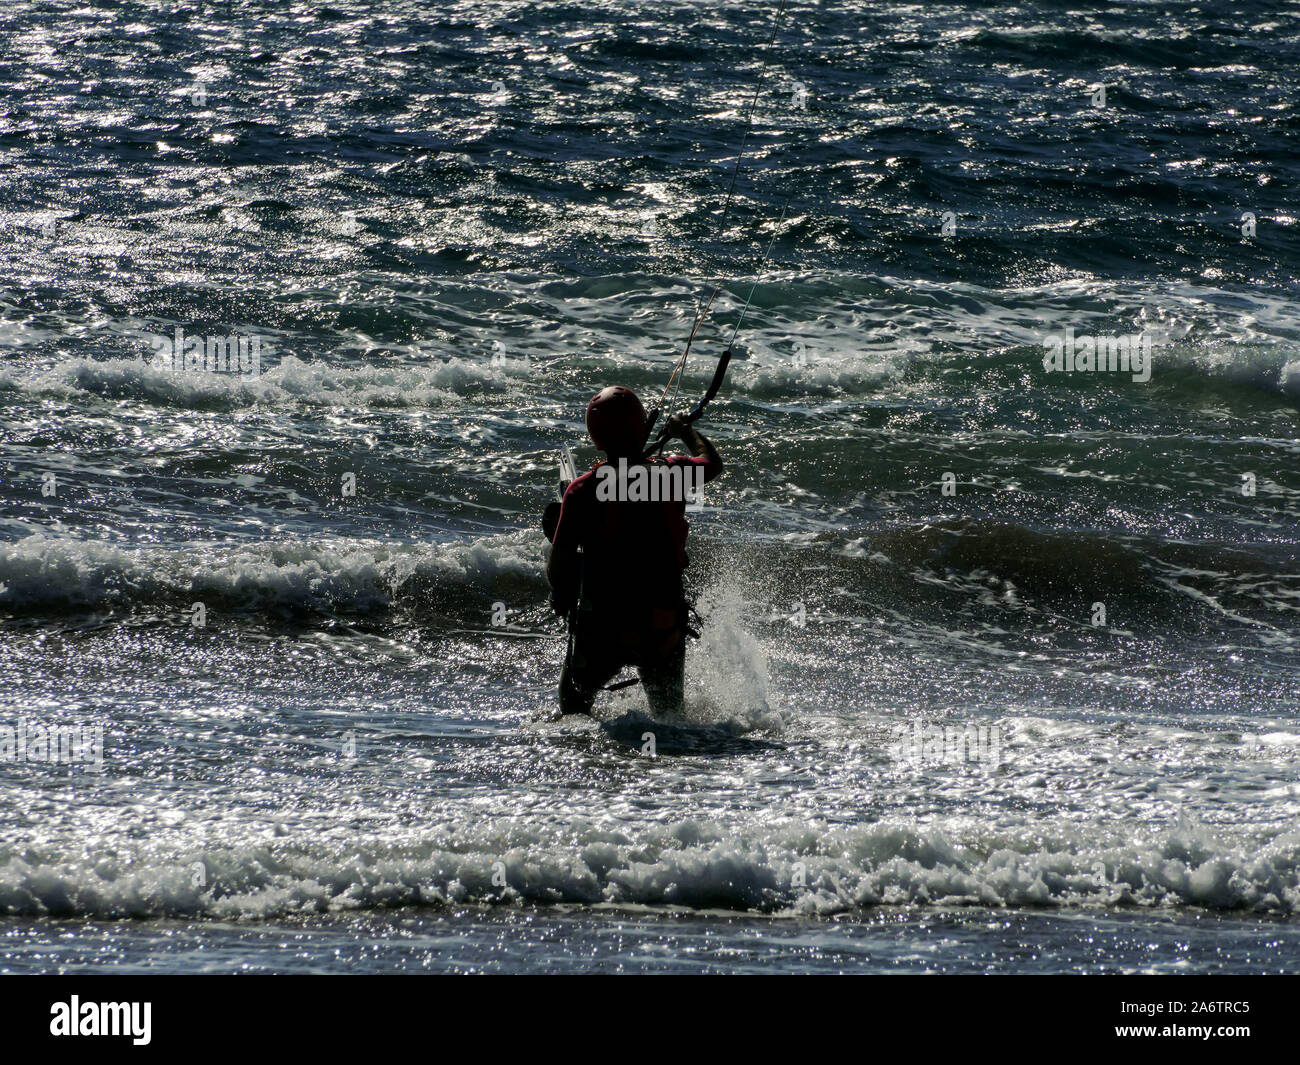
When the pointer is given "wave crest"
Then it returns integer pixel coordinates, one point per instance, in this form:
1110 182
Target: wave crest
46 572
796 869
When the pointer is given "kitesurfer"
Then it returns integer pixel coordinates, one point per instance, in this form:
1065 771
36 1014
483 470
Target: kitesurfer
616 564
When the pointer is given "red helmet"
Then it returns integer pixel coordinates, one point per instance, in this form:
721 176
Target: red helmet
616 420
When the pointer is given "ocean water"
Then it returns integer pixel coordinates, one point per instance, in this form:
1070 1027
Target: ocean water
998 667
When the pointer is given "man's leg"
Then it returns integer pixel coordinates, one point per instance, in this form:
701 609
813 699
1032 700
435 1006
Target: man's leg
588 670
663 678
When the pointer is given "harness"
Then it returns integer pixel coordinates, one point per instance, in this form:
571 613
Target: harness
656 628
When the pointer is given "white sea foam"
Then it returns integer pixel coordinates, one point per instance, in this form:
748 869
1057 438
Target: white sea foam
727 670
285 379
785 868
853 334
53 571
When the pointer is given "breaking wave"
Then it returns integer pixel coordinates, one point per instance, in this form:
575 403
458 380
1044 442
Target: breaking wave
794 869
43 573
